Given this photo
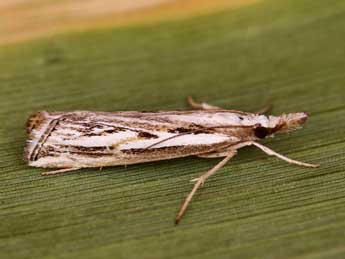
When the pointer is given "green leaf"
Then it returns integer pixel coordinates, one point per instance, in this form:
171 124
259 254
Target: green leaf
290 52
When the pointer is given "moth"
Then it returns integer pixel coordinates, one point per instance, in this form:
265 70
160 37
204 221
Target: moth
69 141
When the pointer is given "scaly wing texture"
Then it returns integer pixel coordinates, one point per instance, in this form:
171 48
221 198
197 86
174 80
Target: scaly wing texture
91 139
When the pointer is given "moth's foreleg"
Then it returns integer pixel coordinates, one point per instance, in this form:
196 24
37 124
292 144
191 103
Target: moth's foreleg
201 106
200 182
270 152
60 171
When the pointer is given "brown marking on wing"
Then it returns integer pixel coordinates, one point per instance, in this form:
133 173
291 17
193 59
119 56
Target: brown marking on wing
37 149
88 133
35 121
180 130
146 135
79 148
192 129
125 125
57 153
57 150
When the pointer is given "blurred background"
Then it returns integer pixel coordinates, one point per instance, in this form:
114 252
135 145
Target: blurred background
150 55
28 19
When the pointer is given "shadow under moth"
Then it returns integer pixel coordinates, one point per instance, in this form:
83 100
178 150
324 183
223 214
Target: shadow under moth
69 141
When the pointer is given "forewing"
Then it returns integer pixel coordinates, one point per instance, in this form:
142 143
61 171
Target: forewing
90 139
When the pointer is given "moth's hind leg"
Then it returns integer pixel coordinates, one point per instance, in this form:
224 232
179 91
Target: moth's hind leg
199 181
201 106
60 171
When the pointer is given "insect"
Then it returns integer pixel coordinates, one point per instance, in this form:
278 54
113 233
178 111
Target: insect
70 141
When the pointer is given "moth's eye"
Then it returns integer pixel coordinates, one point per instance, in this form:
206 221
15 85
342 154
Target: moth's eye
260 132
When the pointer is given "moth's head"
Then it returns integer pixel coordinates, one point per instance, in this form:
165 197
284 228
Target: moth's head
280 124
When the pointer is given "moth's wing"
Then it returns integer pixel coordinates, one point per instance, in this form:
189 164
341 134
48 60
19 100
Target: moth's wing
85 139
216 154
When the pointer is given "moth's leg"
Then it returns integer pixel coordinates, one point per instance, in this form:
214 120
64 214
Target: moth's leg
270 152
265 109
202 106
60 171
200 182
230 154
